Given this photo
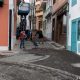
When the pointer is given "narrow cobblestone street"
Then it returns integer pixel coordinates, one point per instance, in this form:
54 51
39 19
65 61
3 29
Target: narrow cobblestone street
47 62
40 40
31 72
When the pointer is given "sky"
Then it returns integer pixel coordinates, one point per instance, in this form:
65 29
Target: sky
26 0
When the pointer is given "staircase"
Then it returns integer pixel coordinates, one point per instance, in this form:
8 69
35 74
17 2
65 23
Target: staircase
62 39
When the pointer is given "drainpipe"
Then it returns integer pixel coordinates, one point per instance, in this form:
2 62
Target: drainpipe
10 28
67 22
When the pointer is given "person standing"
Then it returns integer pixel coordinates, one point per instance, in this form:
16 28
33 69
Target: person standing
34 38
40 36
22 39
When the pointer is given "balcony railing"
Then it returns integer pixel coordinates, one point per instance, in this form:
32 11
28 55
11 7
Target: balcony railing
48 11
39 13
59 4
37 10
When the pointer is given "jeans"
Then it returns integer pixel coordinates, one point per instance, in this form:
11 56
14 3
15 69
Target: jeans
22 43
34 42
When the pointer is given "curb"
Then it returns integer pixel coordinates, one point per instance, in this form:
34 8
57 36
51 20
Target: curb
39 59
8 53
56 45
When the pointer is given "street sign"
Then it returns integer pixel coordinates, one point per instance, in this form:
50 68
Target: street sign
24 8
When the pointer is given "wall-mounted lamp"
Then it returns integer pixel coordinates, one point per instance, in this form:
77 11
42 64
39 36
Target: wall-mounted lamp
1 3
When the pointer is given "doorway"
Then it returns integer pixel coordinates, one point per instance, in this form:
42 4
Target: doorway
53 26
61 29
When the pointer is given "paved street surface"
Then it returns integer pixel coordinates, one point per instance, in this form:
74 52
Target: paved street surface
11 71
50 61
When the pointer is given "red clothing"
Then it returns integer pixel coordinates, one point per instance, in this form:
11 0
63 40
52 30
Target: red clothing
22 35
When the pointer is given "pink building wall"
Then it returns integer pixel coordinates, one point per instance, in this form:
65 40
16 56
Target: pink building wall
4 15
15 15
58 5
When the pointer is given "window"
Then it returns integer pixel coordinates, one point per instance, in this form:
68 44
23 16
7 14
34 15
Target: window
74 2
40 24
79 30
54 1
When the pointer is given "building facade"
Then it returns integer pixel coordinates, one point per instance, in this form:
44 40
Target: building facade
59 21
31 16
7 23
13 7
47 19
39 14
73 43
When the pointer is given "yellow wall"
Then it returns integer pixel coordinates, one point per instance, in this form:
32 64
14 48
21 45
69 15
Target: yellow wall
39 13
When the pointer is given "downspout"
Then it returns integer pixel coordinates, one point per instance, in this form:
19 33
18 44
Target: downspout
67 22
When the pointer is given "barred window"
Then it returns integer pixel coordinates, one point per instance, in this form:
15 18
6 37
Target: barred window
74 2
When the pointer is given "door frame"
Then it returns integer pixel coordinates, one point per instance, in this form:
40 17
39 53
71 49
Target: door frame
76 23
77 19
53 27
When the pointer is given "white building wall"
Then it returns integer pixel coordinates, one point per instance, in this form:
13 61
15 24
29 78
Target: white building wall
48 4
11 7
18 20
28 25
74 12
11 4
48 30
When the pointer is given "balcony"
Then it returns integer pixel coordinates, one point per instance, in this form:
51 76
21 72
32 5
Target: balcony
43 3
38 8
48 12
39 13
37 3
59 4
1 3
